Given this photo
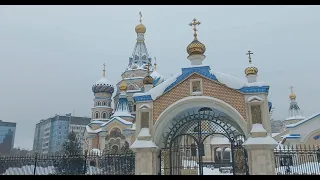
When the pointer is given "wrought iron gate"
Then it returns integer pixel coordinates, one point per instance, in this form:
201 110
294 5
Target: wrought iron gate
188 148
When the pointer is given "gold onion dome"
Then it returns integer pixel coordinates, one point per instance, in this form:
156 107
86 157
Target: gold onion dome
123 86
292 95
195 47
148 80
251 70
140 28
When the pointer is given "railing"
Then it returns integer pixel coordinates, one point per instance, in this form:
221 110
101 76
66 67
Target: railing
122 163
297 160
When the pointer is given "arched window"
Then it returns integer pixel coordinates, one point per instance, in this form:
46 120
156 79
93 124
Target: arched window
131 87
103 103
134 108
104 115
97 115
98 103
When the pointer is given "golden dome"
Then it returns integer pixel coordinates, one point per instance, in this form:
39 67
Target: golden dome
292 96
148 80
140 28
251 71
123 86
196 47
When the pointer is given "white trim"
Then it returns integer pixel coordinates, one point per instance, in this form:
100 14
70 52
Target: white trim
201 87
193 101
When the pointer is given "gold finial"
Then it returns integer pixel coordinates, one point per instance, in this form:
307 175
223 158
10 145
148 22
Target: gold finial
249 56
104 69
292 95
148 79
155 63
140 28
195 47
140 16
194 24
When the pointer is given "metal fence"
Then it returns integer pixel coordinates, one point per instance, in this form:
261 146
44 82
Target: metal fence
122 163
297 160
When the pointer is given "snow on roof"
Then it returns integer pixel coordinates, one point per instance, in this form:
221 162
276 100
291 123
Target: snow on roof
103 80
219 140
229 80
95 151
118 119
294 118
158 90
89 130
303 121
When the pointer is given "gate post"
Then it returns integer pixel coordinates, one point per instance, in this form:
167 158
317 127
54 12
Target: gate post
146 154
260 147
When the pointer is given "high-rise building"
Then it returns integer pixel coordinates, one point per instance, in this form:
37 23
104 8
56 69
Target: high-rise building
7 134
50 134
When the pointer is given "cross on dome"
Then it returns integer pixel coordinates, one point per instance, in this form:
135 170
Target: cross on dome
104 69
194 24
155 63
249 56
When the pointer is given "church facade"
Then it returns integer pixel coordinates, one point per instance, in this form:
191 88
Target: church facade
196 117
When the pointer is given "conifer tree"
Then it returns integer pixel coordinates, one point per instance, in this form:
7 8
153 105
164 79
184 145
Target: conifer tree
72 161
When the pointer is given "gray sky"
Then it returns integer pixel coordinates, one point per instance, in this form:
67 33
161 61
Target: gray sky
50 56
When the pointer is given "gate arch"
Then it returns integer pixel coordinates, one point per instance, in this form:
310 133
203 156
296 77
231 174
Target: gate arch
193 133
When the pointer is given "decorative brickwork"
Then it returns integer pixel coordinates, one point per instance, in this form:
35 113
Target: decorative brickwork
210 88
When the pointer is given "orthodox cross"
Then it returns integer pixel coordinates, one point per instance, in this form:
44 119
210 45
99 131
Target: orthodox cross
140 16
148 66
104 69
155 63
249 56
291 88
194 24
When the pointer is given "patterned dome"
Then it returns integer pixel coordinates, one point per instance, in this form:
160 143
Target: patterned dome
196 47
251 70
103 86
148 80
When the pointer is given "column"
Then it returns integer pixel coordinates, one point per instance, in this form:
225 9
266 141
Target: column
102 142
260 148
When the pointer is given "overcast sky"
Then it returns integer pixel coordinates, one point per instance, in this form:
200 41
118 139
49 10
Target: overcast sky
50 56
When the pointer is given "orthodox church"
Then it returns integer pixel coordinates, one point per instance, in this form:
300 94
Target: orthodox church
146 102
113 129
297 128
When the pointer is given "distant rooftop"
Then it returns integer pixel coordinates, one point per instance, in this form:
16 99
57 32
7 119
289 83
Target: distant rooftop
10 124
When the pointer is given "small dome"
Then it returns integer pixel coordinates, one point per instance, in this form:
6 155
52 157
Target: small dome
251 70
103 86
196 47
140 28
292 96
123 86
148 80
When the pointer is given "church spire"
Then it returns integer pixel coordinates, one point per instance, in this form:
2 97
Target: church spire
140 56
295 113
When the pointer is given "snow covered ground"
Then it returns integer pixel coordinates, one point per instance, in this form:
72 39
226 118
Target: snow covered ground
28 170
306 168
206 171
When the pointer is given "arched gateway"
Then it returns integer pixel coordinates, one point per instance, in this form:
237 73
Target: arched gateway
188 140
188 148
